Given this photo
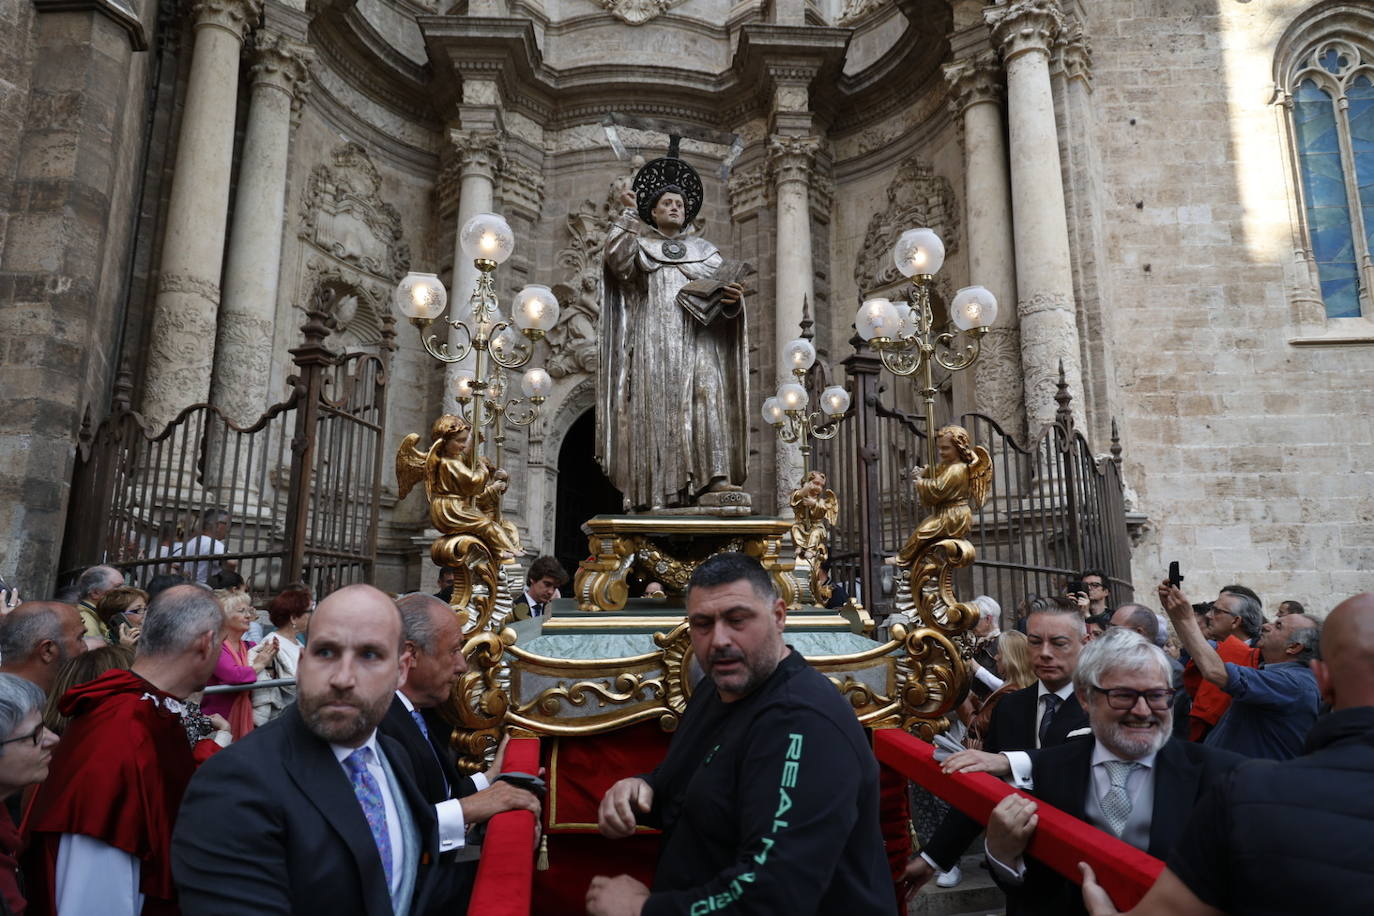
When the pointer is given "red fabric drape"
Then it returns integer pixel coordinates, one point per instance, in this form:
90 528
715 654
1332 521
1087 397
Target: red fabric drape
505 873
1060 841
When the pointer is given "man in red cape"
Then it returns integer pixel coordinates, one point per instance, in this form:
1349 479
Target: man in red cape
99 830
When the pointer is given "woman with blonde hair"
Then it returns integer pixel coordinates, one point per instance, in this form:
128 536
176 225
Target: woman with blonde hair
234 666
1014 667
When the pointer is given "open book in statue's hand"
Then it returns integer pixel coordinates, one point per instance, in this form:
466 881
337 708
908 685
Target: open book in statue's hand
705 299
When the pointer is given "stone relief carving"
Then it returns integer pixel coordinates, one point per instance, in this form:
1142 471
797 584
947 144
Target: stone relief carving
748 190
358 317
916 197
997 380
638 12
522 187
855 10
572 342
343 215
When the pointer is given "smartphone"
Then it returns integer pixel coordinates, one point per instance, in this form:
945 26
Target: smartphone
1076 587
1175 577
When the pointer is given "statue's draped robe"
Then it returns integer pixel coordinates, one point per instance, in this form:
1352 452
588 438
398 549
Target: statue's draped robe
672 393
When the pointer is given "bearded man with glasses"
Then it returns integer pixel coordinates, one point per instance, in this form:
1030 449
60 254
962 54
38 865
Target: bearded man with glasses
1132 781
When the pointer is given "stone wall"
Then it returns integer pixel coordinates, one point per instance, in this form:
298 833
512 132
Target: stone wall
70 153
1249 454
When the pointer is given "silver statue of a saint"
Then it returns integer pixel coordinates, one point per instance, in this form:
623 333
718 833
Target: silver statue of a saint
672 392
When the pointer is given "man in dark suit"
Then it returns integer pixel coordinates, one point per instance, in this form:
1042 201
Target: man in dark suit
315 812
542 582
1132 781
1040 716
434 643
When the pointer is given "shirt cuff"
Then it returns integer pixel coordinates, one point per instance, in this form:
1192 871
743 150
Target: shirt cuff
932 863
480 781
452 827
1236 684
1020 769
1010 875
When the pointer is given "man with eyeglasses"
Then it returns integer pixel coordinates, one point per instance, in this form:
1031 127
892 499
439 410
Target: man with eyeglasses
1132 781
1228 625
1273 706
1042 715
1095 587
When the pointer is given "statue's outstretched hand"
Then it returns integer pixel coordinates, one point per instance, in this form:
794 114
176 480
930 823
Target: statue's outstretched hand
628 199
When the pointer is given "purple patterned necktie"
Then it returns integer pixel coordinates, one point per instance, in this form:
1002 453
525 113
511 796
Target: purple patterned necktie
370 797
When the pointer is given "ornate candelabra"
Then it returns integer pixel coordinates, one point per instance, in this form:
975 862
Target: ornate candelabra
813 506
465 488
904 333
496 343
956 473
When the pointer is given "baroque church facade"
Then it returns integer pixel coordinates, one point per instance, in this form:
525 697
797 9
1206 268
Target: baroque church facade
1171 199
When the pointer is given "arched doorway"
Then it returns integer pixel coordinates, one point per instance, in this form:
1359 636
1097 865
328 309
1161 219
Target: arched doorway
583 491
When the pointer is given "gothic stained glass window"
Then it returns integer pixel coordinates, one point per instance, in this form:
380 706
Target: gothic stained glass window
1332 93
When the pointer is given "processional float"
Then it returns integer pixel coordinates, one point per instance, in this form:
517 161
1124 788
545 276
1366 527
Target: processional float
603 678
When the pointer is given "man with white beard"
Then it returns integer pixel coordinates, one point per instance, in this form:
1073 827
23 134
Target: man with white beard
1133 781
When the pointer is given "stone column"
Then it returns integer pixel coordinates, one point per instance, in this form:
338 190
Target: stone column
790 160
182 346
243 355
976 84
479 161
1024 31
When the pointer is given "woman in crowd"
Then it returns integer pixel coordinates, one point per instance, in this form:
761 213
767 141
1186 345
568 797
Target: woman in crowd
78 670
234 667
121 612
1014 667
290 613
25 748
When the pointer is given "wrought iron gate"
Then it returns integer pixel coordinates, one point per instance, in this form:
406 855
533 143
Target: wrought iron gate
1053 509
295 495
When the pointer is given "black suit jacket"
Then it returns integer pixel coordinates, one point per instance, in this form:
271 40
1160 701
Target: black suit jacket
1183 772
434 770
429 758
1012 728
270 825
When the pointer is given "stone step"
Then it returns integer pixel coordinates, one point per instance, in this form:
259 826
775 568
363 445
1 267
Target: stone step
975 895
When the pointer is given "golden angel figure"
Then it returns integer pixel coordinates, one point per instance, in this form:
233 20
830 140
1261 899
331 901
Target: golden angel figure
464 491
813 507
964 473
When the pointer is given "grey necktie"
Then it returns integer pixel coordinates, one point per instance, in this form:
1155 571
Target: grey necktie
1051 702
1116 804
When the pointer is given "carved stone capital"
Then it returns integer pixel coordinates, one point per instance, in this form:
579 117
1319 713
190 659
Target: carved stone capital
792 158
1073 54
1020 26
280 63
478 151
975 80
521 187
748 191
234 16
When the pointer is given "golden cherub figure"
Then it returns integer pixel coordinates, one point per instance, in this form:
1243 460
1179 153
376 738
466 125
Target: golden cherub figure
814 507
465 491
963 473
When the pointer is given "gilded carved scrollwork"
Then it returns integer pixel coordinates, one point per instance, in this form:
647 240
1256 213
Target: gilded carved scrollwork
465 492
669 551
935 676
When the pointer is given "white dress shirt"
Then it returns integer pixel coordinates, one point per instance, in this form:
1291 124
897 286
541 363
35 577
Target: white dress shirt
452 825
1020 761
1140 777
